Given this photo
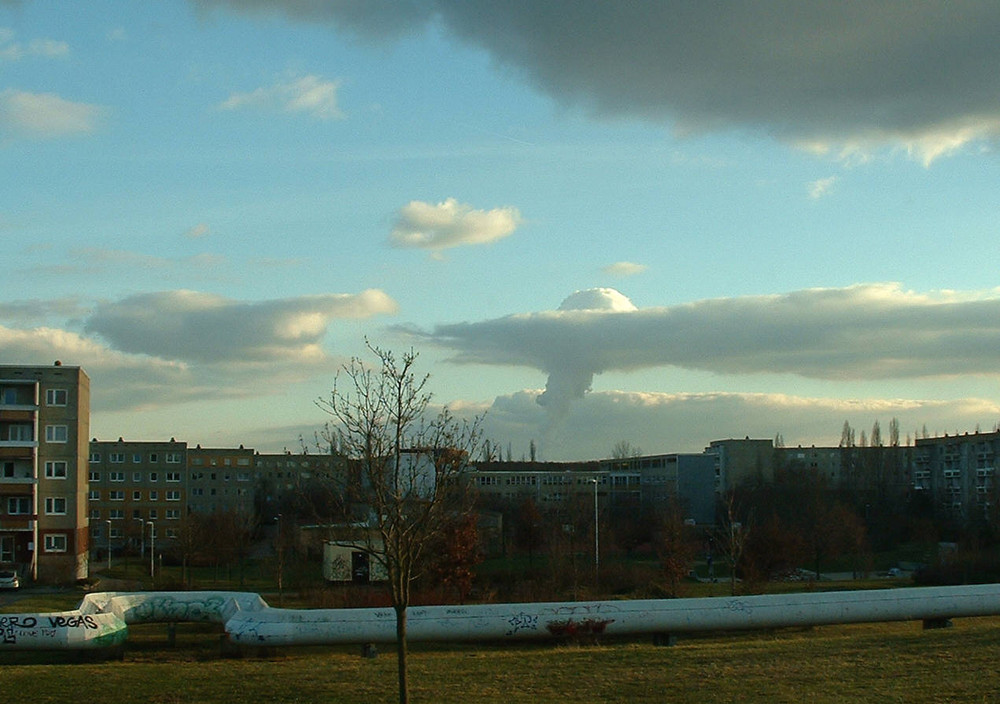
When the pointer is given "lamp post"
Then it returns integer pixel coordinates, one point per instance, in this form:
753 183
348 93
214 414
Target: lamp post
142 538
152 548
108 521
281 564
597 539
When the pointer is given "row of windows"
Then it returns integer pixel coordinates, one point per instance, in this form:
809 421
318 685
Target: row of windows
136 476
53 397
171 514
154 457
119 495
21 506
54 469
198 491
226 461
25 432
213 476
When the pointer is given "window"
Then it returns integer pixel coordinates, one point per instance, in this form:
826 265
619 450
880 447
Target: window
154 476
116 495
173 496
95 514
136 458
56 433
173 476
137 476
116 532
55 397
19 506
173 514
154 495
95 456
116 513
137 496
55 542
19 433
171 532
94 495
116 476
173 458
116 457
152 514
198 491
153 458
136 513
7 470
55 469
55 505
94 476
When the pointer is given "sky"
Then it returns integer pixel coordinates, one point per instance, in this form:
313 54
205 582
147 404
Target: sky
659 223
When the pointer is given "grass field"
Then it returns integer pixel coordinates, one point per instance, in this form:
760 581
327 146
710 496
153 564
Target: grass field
896 662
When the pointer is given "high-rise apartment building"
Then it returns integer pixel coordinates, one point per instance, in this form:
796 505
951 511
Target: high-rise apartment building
44 428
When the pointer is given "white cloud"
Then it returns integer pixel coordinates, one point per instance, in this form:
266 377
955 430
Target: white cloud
197 231
624 269
685 422
205 328
847 78
39 309
309 95
864 332
126 381
821 187
43 115
451 224
11 50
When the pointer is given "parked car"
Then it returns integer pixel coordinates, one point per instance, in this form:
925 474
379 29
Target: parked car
9 580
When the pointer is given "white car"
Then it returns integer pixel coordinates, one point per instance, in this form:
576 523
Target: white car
9 580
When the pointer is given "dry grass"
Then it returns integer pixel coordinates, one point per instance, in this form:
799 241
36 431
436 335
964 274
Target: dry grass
858 663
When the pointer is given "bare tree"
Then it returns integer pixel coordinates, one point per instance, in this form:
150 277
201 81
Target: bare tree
624 450
675 548
731 534
408 467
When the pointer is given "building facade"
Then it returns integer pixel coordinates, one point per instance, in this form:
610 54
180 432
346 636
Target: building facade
957 474
137 492
44 425
637 485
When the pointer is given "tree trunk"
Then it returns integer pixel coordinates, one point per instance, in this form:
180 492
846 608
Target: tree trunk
404 689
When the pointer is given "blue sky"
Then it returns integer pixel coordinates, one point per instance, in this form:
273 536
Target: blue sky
653 222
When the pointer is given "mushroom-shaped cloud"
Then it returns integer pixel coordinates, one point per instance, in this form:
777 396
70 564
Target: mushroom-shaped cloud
600 299
572 373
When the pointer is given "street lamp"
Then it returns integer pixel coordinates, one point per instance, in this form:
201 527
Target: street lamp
108 521
142 538
281 564
152 547
597 539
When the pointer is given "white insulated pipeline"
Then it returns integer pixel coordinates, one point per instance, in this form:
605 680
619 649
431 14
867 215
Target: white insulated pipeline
102 619
498 622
